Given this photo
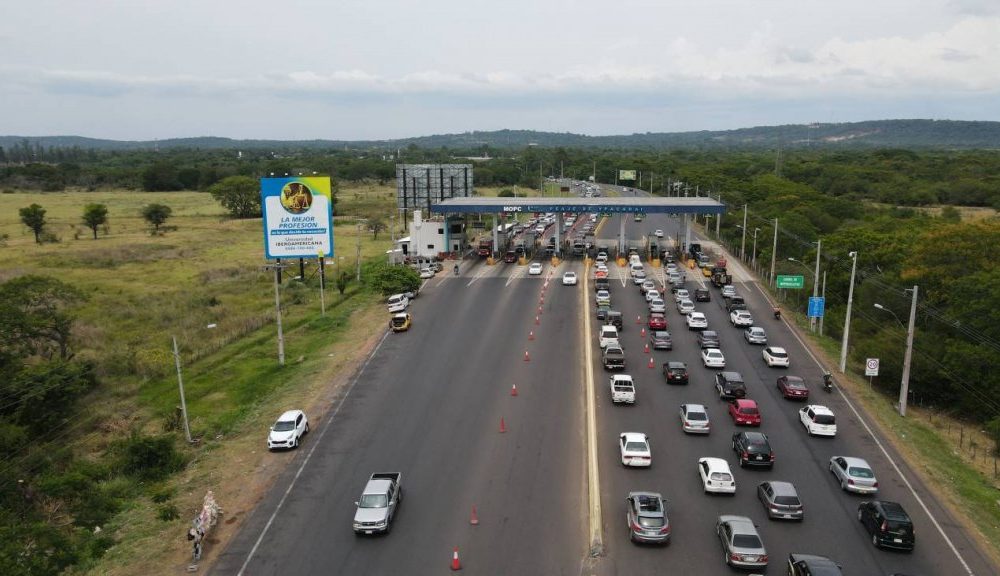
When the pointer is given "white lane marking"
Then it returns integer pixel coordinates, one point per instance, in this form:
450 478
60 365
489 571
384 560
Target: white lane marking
516 275
312 449
593 474
483 270
881 447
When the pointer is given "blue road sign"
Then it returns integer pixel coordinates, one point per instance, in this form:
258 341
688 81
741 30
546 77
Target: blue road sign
817 306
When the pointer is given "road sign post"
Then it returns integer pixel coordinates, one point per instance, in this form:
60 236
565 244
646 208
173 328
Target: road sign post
871 369
791 281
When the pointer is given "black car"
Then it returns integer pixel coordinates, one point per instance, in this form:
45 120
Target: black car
660 340
708 339
675 372
702 295
602 312
753 449
730 385
810 565
602 284
614 318
888 524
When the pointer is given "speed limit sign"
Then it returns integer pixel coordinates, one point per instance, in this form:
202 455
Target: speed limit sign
871 367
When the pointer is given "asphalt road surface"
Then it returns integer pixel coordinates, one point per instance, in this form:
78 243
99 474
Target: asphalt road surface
429 404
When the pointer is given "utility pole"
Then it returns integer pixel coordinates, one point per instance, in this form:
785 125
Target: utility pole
322 286
718 220
754 259
819 246
180 384
361 227
277 311
824 300
904 387
774 251
847 317
743 246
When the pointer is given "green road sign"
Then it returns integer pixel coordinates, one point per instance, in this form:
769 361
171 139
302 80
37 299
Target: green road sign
785 281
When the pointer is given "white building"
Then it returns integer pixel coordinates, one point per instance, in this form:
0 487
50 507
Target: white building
429 238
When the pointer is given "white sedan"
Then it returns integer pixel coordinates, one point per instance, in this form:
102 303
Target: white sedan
535 269
775 356
569 279
716 476
697 321
658 233
741 318
685 306
682 294
713 358
658 305
426 273
635 449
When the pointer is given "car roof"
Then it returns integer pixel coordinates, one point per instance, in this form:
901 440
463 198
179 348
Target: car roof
712 351
401 315
892 510
781 488
755 437
730 375
695 408
745 403
814 562
775 348
793 378
621 377
290 415
820 409
697 315
676 365
855 461
715 463
634 436
709 334
740 524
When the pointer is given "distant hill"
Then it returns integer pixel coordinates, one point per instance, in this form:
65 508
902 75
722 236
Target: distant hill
947 134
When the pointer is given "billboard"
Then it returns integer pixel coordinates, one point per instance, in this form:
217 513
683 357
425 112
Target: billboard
626 175
298 217
418 186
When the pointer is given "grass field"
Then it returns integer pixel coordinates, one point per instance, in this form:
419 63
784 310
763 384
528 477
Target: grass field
204 270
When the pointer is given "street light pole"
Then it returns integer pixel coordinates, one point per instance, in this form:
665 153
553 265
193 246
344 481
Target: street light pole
743 245
847 317
180 384
774 251
819 247
754 262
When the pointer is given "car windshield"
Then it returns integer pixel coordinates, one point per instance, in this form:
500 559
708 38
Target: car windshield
284 425
746 541
721 476
777 354
858 472
786 500
373 501
697 416
826 419
636 446
749 410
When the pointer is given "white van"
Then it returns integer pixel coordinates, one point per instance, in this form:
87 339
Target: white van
609 335
634 260
398 303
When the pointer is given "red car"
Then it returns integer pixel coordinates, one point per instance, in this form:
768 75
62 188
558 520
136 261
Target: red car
744 412
793 388
657 321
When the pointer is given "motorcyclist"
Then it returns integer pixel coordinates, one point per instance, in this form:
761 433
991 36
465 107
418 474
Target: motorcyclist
827 381
456 269
777 313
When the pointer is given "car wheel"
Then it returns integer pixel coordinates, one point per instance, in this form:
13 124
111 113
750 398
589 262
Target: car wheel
743 463
307 428
725 556
843 486
875 541
860 516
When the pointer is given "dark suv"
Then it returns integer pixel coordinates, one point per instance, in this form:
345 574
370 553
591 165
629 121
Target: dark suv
675 372
730 385
614 318
708 339
753 449
702 295
889 525
810 565
602 284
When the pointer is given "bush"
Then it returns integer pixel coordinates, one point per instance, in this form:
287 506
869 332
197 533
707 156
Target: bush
167 512
386 279
150 458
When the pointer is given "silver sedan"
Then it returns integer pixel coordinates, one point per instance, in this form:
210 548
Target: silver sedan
854 474
694 419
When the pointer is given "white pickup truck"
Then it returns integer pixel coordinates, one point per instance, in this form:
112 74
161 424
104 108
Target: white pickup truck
379 500
622 389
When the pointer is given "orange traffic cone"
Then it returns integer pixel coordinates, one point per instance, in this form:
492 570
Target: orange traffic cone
541 299
531 335
513 389
474 519
526 357
638 319
642 332
539 309
537 321
645 348
503 425
455 564
651 365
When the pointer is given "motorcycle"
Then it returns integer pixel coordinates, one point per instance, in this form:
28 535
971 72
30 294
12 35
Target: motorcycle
827 382
777 313
456 269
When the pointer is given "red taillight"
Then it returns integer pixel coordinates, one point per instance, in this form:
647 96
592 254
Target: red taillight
885 526
875 485
635 527
746 455
851 482
665 530
771 455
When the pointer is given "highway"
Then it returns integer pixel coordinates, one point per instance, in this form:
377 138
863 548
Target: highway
429 404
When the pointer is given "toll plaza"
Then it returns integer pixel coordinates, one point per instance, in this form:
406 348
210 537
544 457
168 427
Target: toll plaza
500 207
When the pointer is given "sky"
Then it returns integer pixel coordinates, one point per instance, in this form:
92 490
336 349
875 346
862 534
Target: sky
381 69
